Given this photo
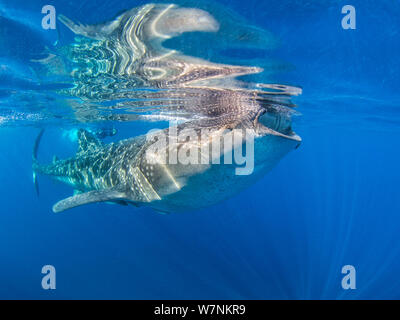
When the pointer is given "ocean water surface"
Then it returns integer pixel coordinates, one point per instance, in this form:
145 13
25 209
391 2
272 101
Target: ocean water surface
332 202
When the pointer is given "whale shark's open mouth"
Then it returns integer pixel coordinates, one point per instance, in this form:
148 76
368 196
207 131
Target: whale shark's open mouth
278 110
279 123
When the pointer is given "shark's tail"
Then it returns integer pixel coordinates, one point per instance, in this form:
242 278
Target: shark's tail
35 164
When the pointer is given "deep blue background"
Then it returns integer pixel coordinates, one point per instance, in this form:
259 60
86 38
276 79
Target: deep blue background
334 201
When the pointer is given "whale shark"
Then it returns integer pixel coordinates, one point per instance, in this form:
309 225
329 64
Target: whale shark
212 114
125 172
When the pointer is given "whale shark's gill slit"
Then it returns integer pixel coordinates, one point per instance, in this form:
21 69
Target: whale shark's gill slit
144 190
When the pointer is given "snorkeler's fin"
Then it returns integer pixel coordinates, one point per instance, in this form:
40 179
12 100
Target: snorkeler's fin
34 160
112 195
161 211
36 184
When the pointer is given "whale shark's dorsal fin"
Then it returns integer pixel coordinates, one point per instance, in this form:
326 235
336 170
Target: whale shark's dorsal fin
101 31
113 195
97 31
87 141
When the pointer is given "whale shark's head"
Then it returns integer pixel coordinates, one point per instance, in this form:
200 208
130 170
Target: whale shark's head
174 21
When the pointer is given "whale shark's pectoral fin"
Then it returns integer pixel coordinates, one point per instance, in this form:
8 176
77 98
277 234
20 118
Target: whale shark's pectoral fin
107 195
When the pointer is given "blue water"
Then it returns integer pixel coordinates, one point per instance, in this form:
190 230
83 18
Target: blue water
335 201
